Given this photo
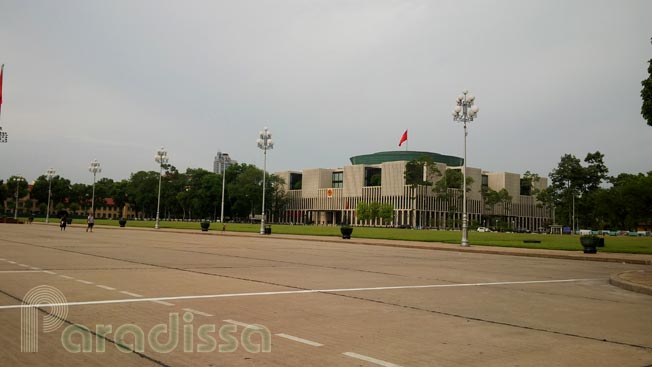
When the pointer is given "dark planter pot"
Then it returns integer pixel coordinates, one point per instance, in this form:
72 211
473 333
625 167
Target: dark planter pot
69 220
590 244
122 222
267 230
204 226
346 232
600 242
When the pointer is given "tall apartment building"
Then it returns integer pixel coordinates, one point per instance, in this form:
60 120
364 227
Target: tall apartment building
331 195
221 162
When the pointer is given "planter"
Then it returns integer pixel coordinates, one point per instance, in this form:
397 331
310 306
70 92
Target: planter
204 226
122 222
590 243
69 220
268 229
346 232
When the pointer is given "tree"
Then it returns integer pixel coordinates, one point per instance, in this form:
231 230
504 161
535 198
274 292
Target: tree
17 182
414 171
386 213
4 192
362 209
646 95
449 189
571 181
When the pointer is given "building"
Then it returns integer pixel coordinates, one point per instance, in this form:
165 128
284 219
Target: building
221 162
330 196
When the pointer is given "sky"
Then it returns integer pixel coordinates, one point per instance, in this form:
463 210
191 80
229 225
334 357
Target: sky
115 80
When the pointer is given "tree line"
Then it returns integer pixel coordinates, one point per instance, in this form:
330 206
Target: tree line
193 194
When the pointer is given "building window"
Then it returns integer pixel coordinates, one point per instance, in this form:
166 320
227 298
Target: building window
372 176
338 180
485 183
295 181
526 186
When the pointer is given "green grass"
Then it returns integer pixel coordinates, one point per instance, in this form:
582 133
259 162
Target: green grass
619 244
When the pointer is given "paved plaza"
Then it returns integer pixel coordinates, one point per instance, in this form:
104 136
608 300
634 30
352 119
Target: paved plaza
219 299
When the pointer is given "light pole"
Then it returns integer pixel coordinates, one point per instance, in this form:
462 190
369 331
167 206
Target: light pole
264 142
465 112
94 169
18 180
161 158
50 173
223 165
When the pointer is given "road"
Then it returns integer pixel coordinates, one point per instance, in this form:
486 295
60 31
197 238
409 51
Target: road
223 300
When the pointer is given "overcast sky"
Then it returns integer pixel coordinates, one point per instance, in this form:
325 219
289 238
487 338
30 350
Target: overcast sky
115 80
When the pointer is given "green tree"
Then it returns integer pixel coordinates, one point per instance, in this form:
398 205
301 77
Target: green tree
646 95
362 209
386 213
415 169
4 192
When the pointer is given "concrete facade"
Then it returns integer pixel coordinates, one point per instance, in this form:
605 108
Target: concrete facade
319 201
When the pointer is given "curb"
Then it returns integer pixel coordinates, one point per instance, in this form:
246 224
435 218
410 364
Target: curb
616 280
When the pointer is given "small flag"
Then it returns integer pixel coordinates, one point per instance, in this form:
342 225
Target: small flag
403 138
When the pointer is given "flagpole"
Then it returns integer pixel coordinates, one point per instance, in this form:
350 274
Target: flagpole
2 73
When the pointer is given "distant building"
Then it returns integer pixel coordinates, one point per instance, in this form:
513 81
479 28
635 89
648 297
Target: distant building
221 162
330 196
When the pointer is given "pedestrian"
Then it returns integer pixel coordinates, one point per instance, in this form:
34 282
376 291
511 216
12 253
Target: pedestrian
62 224
90 221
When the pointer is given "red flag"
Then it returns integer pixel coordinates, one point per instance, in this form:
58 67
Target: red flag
403 138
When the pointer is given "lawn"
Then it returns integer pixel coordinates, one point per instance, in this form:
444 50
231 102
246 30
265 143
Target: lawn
622 244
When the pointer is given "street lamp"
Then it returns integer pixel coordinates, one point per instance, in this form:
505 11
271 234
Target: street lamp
50 173
18 180
222 161
465 112
94 169
161 158
264 142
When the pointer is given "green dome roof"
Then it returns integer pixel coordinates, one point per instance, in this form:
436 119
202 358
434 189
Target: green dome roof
402 155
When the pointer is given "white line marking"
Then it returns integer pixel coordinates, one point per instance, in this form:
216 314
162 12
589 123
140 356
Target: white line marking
66 277
307 291
131 294
3 259
300 340
250 326
369 359
49 272
197 312
24 265
105 287
35 268
84 281
164 303
11 262
20 271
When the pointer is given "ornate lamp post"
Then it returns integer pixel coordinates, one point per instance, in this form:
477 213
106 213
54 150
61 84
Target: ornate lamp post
50 173
18 180
161 158
223 165
264 142
94 168
465 112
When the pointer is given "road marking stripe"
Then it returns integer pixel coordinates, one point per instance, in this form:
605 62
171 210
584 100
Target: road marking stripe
66 277
35 268
307 291
21 271
105 287
131 294
84 281
197 312
300 340
3 259
11 262
24 265
164 303
370 359
49 272
250 326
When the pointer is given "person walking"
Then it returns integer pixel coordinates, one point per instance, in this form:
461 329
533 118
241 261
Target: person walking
62 224
90 221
